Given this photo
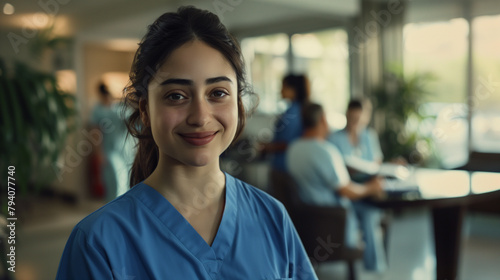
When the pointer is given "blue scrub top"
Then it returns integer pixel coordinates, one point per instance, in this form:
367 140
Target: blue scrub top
368 147
140 235
288 128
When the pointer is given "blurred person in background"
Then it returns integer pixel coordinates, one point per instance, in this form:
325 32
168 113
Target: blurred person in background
358 144
288 127
322 179
184 218
114 152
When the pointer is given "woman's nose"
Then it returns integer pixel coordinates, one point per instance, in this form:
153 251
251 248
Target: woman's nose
199 112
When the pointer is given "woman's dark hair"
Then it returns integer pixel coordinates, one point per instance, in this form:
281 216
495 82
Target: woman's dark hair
300 85
166 34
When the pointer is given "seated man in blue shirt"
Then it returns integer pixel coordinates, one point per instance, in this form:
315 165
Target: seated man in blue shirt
322 179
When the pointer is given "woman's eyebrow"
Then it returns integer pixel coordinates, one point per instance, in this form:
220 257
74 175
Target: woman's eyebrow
218 79
186 82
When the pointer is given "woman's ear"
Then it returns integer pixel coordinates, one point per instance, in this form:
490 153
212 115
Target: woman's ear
144 109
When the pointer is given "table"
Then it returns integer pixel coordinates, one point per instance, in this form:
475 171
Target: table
447 193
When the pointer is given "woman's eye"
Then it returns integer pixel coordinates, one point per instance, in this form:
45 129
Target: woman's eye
219 94
175 97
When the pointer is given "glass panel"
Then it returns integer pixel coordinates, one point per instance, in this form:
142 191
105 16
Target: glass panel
266 58
441 49
486 84
323 57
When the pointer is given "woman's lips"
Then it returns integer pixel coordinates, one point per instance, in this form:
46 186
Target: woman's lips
198 138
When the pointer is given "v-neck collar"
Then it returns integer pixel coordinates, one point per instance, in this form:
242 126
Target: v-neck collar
183 230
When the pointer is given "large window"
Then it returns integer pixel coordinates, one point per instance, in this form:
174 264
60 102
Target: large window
465 96
322 56
440 48
485 96
267 64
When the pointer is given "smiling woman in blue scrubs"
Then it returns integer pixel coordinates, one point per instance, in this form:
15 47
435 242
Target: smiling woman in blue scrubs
184 218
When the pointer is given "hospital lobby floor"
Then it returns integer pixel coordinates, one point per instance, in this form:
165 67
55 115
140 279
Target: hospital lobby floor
46 224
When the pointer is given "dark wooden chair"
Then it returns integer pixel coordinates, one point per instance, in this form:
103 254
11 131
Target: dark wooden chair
321 229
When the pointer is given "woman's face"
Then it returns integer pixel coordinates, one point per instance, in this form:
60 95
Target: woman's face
287 92
192 106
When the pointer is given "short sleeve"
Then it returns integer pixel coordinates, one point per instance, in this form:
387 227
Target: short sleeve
81 260
332 168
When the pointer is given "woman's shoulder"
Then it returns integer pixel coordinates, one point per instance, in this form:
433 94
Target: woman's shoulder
109 216
253 197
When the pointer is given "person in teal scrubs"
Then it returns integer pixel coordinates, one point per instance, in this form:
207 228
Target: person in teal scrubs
359 144
184 218
115 150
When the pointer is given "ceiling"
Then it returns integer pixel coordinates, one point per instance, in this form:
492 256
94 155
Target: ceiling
118 19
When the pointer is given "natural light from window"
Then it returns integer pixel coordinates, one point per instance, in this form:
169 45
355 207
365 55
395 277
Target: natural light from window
486 84
440 48
324 58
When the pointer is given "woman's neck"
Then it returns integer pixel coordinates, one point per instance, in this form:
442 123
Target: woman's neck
198 193
190 186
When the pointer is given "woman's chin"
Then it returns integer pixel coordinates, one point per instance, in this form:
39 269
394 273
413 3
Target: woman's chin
199 160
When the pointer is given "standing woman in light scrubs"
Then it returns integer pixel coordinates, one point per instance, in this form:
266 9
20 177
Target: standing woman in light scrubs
184 218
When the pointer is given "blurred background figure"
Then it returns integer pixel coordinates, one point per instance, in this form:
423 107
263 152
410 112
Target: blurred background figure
358 144
288 127
323 180
114 151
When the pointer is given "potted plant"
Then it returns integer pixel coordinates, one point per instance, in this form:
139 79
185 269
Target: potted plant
36 116
399 116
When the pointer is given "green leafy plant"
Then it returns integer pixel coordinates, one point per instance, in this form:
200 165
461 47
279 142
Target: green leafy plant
36 119
36 116
399 101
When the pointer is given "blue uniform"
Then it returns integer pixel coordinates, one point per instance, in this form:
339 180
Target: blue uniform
288 127
140 235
